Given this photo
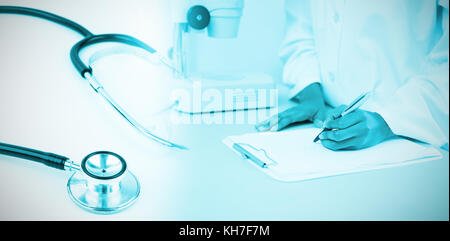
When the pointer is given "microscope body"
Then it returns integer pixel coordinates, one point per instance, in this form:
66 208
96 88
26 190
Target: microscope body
220 19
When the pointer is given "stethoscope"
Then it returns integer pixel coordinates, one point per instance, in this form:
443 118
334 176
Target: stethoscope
101 183
86 71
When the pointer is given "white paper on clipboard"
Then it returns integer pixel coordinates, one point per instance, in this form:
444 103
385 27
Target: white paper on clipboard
293 156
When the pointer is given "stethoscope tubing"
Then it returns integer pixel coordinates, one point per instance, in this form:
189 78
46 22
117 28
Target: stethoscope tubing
46 158
102 92
47 16
102 38
83 182
86 71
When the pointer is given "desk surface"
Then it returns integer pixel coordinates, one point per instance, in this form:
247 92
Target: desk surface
57 111
210 182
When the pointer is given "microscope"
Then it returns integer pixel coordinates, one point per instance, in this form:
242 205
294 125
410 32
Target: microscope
217 19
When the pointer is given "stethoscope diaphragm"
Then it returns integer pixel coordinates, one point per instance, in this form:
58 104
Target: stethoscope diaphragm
104 185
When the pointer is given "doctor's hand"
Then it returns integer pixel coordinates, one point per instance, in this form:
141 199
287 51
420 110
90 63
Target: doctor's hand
311 107
305 111
356 130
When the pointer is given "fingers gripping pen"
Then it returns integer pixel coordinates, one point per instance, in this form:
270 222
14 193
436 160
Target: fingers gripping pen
358 102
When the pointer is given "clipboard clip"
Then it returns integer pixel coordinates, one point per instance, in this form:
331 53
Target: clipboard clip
263 161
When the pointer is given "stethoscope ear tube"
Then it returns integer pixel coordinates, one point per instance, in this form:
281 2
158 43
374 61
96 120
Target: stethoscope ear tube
46 158
48 16
101 38
85 72
140 128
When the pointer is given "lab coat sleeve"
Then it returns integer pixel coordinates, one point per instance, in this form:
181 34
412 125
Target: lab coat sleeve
420 108
297 52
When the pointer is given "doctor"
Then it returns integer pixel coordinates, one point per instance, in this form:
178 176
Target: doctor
396 49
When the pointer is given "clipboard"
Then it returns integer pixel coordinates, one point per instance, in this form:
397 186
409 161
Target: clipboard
263 161
291 155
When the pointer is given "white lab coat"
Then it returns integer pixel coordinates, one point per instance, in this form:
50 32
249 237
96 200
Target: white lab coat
398 49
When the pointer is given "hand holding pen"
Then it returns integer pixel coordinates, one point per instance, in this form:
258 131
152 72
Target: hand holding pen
344 110
349 128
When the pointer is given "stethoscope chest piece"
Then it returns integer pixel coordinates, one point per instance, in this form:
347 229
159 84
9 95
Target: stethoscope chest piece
104 185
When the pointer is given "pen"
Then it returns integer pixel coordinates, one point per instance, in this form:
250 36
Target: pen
358 102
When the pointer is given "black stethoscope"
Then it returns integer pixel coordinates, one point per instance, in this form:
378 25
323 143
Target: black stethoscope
86 71
101 183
